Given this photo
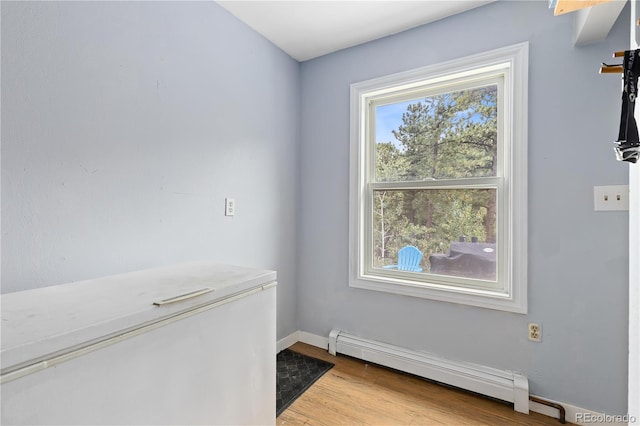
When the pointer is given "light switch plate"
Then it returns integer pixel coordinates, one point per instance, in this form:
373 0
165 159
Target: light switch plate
611 198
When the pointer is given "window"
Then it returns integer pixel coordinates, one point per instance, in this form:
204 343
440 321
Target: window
438 164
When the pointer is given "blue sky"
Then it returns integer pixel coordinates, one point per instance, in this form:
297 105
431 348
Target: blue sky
388 118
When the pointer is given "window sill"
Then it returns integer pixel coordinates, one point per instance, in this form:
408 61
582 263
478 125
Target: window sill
489 299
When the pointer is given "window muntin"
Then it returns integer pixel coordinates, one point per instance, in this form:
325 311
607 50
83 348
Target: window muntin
485 185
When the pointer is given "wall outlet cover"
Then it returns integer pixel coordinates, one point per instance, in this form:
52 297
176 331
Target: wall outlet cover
229 206
535 332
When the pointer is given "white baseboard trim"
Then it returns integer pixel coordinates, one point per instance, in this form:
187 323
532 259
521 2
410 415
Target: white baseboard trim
289 340
573 414
576 415
304 337
314 340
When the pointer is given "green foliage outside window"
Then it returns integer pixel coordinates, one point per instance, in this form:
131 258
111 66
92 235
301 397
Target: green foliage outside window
447 136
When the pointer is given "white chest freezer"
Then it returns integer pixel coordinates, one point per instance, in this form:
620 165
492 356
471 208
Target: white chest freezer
187 344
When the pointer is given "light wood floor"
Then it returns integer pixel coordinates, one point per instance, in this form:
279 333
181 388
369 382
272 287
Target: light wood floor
356 393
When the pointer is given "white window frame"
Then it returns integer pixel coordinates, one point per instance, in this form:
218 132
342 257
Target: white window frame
510 63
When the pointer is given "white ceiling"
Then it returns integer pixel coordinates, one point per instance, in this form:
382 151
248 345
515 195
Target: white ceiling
306 29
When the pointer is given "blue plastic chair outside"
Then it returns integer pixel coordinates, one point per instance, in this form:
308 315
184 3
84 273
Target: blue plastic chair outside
409 258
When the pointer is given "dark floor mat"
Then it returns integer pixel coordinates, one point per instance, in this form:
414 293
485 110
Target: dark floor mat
295 373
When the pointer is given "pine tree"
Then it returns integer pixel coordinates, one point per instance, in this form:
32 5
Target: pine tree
445 136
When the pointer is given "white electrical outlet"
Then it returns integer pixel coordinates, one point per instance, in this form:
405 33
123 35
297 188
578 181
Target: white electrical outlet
229 207
611 198
535 332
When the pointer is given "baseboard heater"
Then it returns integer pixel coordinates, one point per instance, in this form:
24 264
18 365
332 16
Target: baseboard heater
504 385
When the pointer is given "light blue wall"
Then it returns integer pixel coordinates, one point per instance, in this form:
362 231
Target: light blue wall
577 258
124 127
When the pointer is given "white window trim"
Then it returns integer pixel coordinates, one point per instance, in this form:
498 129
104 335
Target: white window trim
514 299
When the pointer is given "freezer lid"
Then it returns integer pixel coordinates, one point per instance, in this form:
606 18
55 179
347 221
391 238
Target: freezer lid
47 321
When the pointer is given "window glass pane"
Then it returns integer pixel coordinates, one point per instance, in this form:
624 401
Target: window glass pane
455 229
445 136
